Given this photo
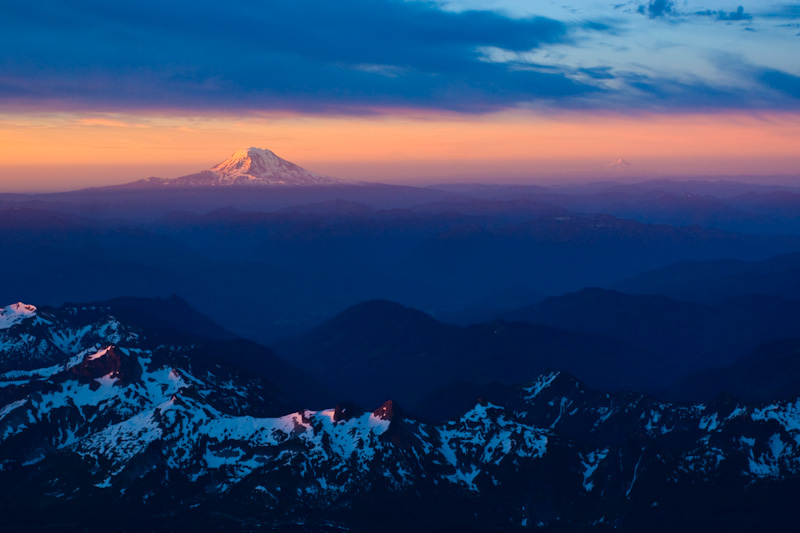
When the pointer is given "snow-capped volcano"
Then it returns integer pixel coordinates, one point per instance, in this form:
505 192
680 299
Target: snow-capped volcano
261 166
254 166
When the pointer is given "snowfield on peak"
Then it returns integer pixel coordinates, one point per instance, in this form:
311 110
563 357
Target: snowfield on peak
49 339
15 313
261 165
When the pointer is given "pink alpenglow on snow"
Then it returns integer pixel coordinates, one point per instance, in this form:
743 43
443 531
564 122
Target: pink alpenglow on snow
15 313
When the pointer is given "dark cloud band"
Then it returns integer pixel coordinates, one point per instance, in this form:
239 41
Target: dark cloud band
349 56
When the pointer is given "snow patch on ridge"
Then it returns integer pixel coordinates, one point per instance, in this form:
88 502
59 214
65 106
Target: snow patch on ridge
98 354
590 463
542 382
123 441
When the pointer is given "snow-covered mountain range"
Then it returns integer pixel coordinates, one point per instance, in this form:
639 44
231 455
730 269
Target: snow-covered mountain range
93 409
251 167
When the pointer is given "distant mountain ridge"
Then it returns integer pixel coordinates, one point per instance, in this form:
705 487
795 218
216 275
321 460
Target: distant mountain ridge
378 349
719 280
251 167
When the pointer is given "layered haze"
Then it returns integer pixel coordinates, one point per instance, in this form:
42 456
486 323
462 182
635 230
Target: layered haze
523 147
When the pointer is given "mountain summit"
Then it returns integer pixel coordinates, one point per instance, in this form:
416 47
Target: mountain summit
251 167
262 167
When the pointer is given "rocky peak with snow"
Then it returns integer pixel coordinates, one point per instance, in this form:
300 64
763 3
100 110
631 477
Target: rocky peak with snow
388 411
346 411
148 426
13 314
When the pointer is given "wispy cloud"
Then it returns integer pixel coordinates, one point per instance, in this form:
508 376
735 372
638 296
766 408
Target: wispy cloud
107 122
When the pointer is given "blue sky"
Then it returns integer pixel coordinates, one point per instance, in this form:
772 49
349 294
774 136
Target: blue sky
363 56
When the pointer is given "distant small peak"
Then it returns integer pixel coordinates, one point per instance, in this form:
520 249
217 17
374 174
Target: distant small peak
619 162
